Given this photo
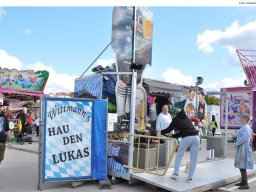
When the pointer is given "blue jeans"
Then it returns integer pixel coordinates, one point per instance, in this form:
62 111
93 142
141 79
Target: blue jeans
193 142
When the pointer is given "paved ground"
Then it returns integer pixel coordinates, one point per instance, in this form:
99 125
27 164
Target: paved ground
19 173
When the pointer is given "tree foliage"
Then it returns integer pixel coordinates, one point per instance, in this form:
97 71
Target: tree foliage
212 100
246 83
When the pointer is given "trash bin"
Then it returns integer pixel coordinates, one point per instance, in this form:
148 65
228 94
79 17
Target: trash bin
218 144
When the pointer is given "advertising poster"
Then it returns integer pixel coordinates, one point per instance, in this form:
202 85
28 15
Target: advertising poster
74 139
132 31
239 103
143 36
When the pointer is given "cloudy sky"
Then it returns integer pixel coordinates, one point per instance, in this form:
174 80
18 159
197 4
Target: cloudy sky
187 42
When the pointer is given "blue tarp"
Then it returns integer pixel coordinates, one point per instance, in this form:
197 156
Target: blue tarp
99 141
90 85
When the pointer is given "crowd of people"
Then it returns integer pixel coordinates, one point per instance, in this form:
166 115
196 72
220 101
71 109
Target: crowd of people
24 125
25 121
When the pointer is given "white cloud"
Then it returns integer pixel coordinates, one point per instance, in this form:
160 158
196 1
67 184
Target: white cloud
8 61
234 37
57 82
27 32
226 82
2 13
102 62
175 76
206 39
105 62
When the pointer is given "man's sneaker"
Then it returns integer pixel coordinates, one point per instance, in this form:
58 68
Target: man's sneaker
174 176
189 180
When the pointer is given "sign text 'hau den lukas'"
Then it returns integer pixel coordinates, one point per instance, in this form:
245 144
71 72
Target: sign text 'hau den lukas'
70 139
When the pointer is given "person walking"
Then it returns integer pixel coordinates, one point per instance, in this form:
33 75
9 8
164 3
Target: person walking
163 119
4 132
37 125
29 122
184 127
244 155
213 125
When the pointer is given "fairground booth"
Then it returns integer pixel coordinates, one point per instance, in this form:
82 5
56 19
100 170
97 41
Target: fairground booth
158 93
21 91
133 101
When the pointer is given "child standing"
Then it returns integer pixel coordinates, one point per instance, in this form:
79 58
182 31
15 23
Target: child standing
213 125
244 156
19 125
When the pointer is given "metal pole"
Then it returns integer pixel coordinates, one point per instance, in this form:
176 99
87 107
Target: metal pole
41 143
226 124
196 99
133 100
95 59
132 119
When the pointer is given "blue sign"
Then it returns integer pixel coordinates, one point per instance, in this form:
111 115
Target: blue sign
74 139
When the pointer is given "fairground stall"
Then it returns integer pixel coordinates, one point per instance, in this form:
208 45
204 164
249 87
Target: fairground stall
161 93
119 127
20 91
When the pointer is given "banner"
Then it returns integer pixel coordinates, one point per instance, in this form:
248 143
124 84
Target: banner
25 80
74 139
239 103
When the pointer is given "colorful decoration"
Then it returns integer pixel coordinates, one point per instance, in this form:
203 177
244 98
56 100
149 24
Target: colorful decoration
151 99
24 80
239 103
195 119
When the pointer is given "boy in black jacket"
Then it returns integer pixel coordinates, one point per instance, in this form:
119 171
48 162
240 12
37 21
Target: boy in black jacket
184 127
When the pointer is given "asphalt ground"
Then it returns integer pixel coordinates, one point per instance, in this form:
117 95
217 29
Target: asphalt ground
19 173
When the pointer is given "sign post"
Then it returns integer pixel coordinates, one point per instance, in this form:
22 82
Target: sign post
226 116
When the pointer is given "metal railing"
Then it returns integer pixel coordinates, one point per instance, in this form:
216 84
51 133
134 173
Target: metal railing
156 170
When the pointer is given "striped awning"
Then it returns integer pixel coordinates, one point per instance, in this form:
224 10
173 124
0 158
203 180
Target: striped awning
163 88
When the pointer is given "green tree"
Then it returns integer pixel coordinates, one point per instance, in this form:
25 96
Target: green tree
212 100
246 83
